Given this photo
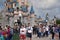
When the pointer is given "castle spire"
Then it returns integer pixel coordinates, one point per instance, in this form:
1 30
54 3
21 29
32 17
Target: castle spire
32 10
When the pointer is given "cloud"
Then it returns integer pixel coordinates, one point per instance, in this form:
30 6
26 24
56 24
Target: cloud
45 3
46 6
41 7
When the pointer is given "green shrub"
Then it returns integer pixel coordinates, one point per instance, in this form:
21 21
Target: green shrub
58 21
16 36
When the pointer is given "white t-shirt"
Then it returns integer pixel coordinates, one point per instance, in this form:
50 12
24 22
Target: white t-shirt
39 29
23 31
29 29
53 29
47 28
44 28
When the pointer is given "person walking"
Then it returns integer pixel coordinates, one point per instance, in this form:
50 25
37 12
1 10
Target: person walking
39 32
53 32
59 30
11 33
47 30
34 29
29 32
44 30
1 36
22 33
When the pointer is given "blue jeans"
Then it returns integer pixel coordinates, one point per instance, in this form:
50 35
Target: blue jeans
39 34
9 37
6 38
37 31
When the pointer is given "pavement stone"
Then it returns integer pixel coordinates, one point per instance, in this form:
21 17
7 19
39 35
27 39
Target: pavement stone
42 38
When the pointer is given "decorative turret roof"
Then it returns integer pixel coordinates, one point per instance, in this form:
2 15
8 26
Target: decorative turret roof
31 10
15 1
47 18
39 17
10 10
24 8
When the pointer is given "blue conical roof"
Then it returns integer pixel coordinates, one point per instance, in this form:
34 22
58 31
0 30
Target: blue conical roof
10 10
15 1
47 17
24 9
39 16
31 10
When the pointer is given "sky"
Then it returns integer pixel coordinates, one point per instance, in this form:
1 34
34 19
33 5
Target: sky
41 7
2 4
52 7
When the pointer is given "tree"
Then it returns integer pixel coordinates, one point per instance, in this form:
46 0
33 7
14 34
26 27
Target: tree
58 21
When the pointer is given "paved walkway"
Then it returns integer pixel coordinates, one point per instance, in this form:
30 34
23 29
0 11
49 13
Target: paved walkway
42 38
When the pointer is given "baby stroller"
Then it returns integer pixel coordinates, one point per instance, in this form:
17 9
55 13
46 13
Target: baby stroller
1 37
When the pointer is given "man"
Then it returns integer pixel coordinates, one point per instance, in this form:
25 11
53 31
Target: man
19 22
47 29
53 32
29 31
59 31
39 32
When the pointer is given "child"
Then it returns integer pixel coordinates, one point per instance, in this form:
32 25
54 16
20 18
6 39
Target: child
23 33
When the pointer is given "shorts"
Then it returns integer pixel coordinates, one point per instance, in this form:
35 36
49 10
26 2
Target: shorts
29 35
23 36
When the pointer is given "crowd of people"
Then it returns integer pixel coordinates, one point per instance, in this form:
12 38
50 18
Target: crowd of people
46 30
6 33
41 30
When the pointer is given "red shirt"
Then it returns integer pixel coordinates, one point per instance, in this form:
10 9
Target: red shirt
8 32
4 32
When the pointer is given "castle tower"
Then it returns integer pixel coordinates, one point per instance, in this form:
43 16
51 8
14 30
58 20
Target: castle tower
47 17
32 11
20 1
55 19
32 16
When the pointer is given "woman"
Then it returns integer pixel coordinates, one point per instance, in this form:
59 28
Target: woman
1 36
39 32
4 32
22 33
